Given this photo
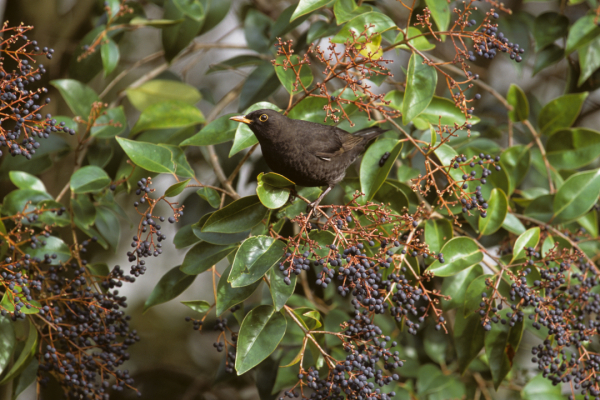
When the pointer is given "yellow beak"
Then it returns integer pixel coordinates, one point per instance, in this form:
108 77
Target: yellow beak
241 118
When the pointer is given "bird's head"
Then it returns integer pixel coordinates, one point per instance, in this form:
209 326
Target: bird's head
264 123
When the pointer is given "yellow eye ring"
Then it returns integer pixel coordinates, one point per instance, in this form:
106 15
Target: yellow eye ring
263 118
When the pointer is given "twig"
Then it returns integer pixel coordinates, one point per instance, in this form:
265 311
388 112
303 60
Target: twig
542 151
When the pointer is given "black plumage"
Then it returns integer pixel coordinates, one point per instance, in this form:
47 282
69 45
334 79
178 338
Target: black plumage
308 153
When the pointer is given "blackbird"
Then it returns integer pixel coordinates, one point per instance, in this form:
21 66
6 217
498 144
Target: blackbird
308 153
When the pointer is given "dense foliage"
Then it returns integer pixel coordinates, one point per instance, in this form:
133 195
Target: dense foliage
470 224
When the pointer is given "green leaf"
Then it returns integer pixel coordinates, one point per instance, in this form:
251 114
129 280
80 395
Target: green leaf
218 131
53 245
149 156
176 188
468 338
79 97
260 334
529 238
497 210
501 345
243 135
234 63
26 378
185 237
191 8
23 180
287 76
456 286
108 225
155 23
256 28
440 11
284 24
377 22
203 256
439 107
254 258
25 356
547 57
421 80
280 292
320 29
459 253
177 37
171 285
109 52
89 179
217 238
541 208
239 216
573 148
345 10
590 223
210 195
548 28
217 10
84 210
372 175
307 6
515 161
168 114
17 200
272 197
161 90
583 31
275 180
512 224
110 124
7 342
589 60
419 42
540 388
576 196
560 113
200 306
437 233
517 99
228 296
391 195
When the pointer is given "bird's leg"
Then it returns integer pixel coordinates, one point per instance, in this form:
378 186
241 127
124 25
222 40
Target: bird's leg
315 204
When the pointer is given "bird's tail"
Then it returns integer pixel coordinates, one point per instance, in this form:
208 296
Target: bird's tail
369 133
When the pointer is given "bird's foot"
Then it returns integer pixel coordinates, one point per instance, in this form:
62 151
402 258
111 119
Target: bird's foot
314 209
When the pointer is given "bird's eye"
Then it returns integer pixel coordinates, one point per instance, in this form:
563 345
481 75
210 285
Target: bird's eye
263 118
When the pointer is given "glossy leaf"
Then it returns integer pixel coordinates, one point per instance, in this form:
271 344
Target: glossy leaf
515 161
177 37
243 135
547 57
456 286
501 345
513 225
284 24
176 188
438 107
287 74
79 97
583 31
548 28
468 338
149 156
440 11
419 42
7 342
108 225
459 253
541 208
254 258
393 197
437 233
218 131
239 216
217 11
577 195
191 8
272 197
280 292
53 245
306 6
589 60
590 223
171 285
26 378
200 306
228 296
203 256
560 113
89 179
217 238
185 237
345 10
234 63
260 334
530 238
377 21
372 175
496 213
110 124
421 80
517 99
25 356
23 180
540 388
110 54
168 114
210 195
573 148
161 90
275 180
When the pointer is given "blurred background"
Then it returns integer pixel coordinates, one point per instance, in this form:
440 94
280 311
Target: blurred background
172 361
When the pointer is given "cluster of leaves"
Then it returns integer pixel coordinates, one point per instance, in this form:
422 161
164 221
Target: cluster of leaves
397 290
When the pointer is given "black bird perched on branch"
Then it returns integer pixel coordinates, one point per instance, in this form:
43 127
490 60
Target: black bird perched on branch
308 153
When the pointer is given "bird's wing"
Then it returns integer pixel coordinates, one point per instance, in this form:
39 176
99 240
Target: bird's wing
342 141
